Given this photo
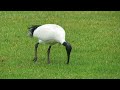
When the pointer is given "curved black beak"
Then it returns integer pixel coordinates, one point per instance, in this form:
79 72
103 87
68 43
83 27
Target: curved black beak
68 50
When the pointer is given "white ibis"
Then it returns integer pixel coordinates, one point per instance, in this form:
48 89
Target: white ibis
49 34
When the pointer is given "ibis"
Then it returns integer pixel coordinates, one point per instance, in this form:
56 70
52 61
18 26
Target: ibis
49 34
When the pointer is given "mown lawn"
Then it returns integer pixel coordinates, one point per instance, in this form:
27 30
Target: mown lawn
94 36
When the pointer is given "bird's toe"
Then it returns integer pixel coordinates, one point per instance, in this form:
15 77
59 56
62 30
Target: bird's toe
35 59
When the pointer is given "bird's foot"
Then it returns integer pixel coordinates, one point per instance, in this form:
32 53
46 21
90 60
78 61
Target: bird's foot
35 59
48 62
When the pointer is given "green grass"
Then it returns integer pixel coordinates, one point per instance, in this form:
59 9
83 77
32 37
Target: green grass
94 36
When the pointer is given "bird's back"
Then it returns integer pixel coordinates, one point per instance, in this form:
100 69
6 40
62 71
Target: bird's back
50 32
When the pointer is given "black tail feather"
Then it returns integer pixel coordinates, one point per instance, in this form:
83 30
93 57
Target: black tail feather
32 29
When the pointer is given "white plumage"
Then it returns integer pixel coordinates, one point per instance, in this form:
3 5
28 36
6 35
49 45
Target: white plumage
50 34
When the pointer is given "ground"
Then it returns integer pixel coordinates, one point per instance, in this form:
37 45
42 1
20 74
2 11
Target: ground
94 36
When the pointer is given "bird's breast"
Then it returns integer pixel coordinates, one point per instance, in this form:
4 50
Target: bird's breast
51 42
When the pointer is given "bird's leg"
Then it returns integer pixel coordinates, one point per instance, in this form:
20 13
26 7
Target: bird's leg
48 52
35 58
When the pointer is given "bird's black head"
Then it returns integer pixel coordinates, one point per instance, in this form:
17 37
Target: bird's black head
32 29
68 49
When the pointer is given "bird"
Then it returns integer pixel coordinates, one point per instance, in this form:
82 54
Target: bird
50 34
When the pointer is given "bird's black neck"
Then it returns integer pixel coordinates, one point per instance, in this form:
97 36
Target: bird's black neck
68 49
